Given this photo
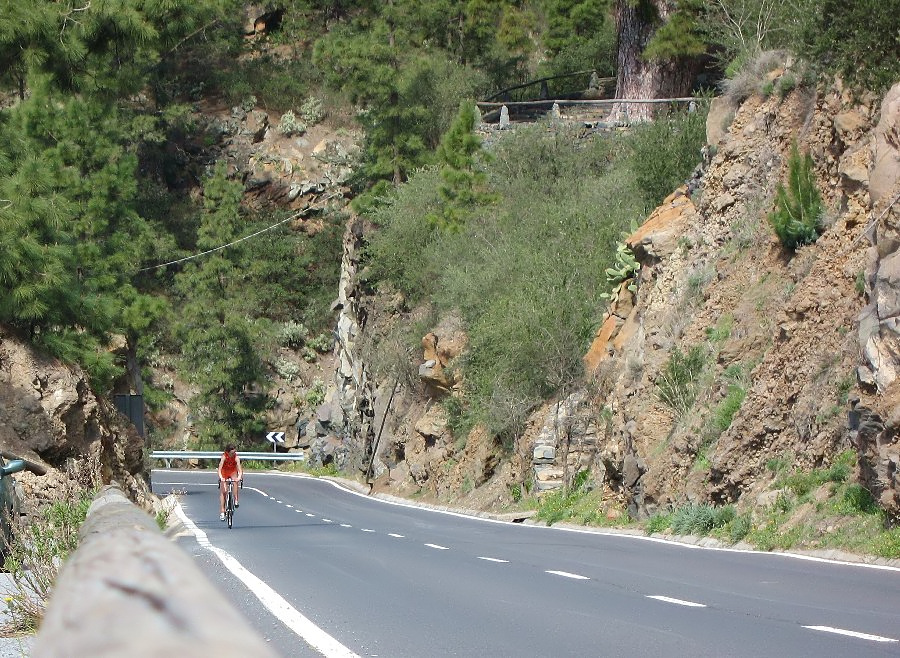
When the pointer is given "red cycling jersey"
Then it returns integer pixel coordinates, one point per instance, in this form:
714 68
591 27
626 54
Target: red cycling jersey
229 466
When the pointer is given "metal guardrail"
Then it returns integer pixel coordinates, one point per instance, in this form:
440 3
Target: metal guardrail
169 455
129 591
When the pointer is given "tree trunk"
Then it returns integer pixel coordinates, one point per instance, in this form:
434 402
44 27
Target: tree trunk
636 23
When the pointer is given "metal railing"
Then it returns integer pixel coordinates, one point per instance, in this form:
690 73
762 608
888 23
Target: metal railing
169 455
129 591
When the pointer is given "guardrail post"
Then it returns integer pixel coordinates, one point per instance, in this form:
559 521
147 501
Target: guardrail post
129 591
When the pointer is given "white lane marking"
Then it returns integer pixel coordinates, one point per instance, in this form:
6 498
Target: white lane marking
492 559
367 530
394 534
856 634
310 515
669 599
437 546
566 574
327 520
289 506
272 600
346 525
762 555
278 501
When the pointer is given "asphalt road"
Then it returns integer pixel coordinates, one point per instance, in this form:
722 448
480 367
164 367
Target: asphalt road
383 579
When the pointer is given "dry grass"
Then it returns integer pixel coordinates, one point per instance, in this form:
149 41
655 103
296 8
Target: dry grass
40 546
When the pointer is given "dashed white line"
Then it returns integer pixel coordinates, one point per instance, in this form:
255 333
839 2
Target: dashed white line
327 521
856 634
437 546
289 506
566 574
278 501
394 534
367 530
492 559
274 602
669 599
310 515
346 525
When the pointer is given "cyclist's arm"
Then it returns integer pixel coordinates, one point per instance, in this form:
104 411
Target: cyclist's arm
221 464
240 469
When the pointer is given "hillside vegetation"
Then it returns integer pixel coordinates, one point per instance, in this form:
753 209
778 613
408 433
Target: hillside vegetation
139 242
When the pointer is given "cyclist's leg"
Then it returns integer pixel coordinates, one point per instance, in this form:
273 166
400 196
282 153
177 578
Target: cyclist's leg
221 496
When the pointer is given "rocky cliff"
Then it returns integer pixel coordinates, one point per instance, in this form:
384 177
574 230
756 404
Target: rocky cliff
50 417
808 337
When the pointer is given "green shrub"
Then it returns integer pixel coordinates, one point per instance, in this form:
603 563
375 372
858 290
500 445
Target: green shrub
38 548
786 84
658 523
887 544
700 519
859 40
666 151
739 527
798 206
563 203
856 499
289 124
678 382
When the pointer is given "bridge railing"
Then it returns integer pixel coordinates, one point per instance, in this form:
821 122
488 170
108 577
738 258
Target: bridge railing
168 456
129 591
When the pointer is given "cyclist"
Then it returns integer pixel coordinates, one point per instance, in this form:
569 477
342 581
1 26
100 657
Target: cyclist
229 467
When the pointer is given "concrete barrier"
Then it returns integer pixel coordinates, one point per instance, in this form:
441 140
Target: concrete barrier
129 591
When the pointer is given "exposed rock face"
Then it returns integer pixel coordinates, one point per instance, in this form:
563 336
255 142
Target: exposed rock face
49 415
788 327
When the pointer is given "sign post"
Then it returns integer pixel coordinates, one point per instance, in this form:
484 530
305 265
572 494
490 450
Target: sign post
275 438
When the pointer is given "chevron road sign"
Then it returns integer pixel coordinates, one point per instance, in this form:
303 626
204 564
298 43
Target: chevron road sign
275 437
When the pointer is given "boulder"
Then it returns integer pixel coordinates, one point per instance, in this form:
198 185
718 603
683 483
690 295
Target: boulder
884 180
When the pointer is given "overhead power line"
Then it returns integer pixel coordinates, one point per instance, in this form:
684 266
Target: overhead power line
224 246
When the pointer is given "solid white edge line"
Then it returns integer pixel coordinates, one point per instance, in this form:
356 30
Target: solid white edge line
438 546
272 600
620 535
566 574
856 634
492 559
669 599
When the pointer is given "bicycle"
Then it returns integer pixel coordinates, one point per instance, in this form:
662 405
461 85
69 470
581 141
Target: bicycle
229 499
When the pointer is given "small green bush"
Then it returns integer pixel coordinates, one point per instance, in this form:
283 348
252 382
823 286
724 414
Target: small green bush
290 124
739 527
798 206
666 151
887 544
658 523
856 499
678 382
700 519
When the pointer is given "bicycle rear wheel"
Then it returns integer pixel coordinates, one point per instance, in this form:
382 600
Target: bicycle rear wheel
229 508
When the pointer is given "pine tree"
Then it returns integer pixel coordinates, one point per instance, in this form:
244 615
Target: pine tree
462 183
220 342
798 205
